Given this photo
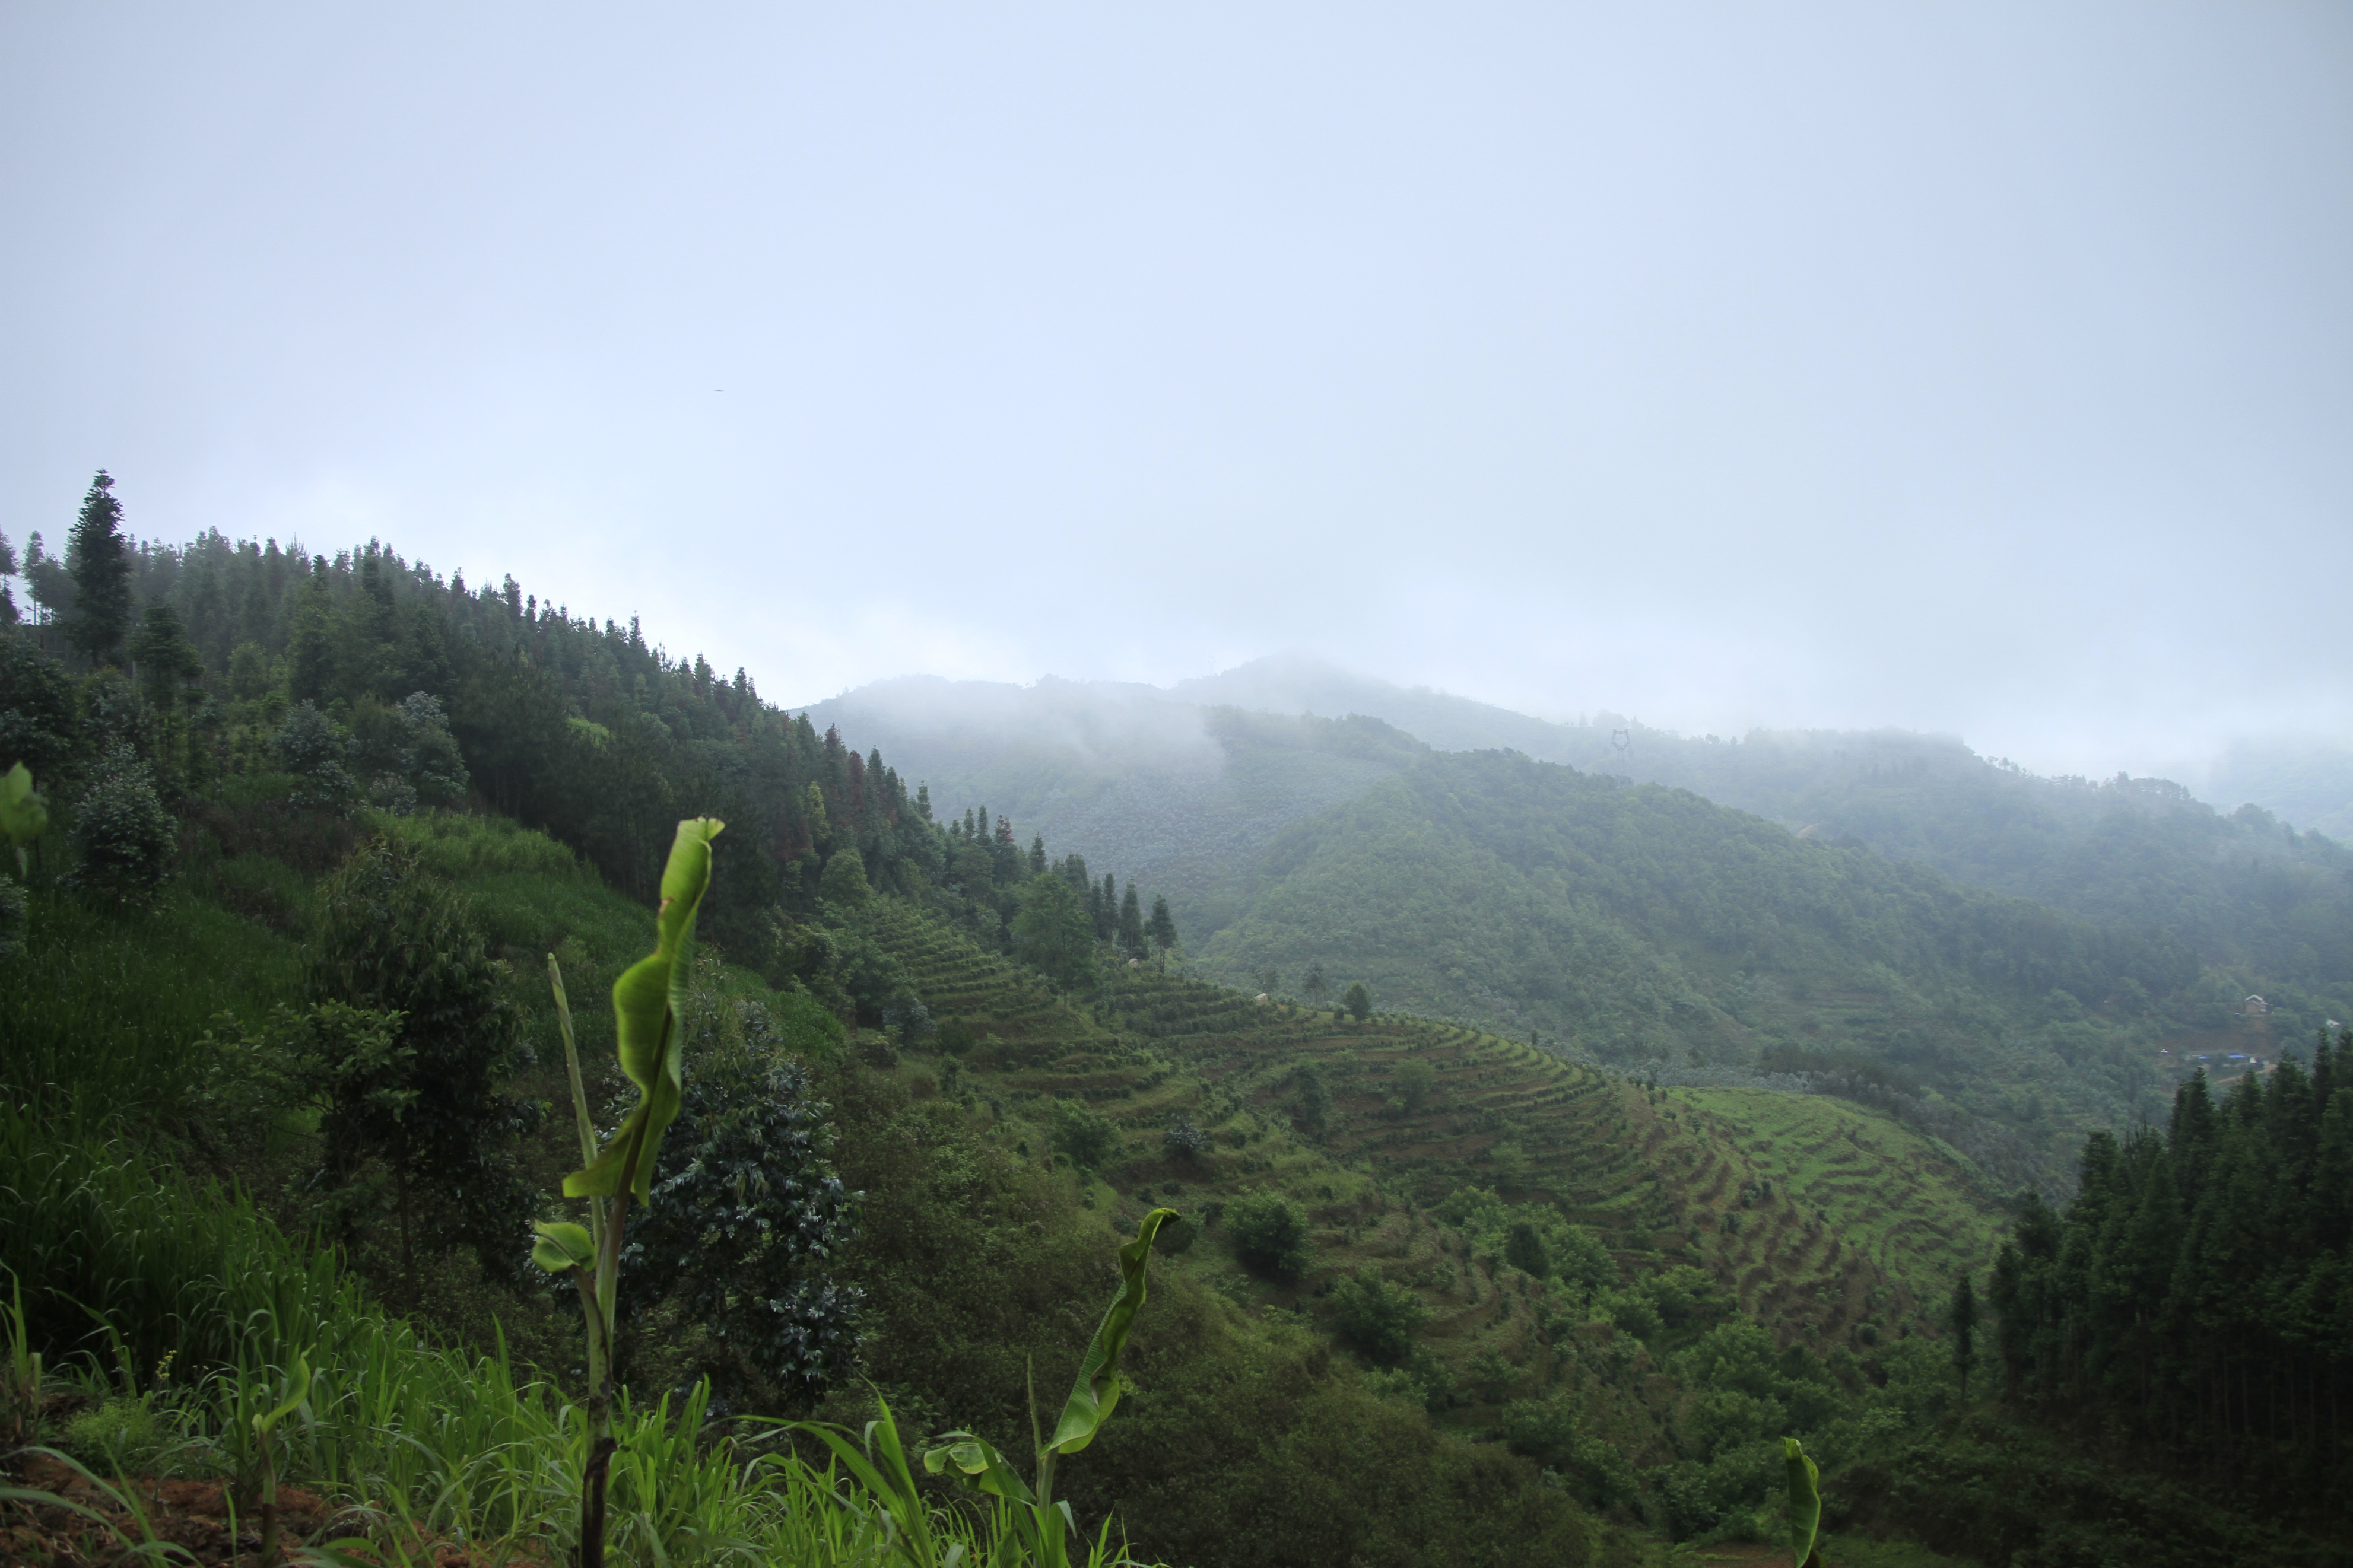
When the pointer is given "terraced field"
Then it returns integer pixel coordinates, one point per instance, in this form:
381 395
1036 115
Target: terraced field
1830 1223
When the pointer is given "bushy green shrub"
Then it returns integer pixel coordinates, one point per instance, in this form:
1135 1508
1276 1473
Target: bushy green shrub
405 753
1269 1234
1378 1317
38 725
122 834
1520 1234
392 937
747 1212
315 750
1083 1133
117 1436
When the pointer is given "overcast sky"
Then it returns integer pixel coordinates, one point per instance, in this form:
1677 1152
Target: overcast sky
1983 369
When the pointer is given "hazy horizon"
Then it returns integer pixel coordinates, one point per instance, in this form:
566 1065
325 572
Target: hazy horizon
1970 370
1086 715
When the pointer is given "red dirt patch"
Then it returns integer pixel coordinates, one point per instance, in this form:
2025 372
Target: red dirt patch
193 1515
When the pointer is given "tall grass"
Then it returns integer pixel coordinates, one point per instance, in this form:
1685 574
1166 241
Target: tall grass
98 1009
125 1268
462 847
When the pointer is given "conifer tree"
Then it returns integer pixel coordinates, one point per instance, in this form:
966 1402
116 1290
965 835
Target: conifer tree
99 558
1161 926
1962 1321
306 638
844 882
164 655
1131 924
46 579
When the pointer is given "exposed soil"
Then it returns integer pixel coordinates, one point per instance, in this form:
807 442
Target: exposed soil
193 1516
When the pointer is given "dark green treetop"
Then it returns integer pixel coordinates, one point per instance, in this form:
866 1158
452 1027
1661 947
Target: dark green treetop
1162 927
98 556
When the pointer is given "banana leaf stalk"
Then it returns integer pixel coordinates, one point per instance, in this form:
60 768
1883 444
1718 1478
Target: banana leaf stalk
293 1392
647 1000
1041 1525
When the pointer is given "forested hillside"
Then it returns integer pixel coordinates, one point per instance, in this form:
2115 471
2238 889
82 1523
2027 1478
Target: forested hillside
275 974
2267 910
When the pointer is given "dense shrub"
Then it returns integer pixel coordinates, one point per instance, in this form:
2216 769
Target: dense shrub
1378 1317
315 750
1083 1133
122 834
1269 1234
406 753
39 726
392 937
748 1214
1183 1139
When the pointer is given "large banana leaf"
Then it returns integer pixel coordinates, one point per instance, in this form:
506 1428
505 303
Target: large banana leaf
1096 1392
979 1465
1805 1503
22 816
295 1389
646 1000
562 1245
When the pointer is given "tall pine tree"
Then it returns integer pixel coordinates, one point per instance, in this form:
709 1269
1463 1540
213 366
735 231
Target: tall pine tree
99 558
1131 924
1963 1324
1162 927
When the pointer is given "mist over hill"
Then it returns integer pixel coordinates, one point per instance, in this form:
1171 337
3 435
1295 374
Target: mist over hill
1181 796
1185 788
2034 954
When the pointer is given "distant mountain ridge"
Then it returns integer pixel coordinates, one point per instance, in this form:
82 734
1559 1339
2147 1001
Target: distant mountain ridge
1198 791
1144 777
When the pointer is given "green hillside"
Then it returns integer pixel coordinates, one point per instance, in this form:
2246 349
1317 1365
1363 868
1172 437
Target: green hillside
1183 799
1641 925
996 1176
282 1058
1189 790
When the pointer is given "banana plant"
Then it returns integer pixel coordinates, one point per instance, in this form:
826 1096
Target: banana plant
23 814
293 1391
647 1000
22 1396
1805 1505
1040 1525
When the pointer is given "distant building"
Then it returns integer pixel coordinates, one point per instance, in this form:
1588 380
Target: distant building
2256 1007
